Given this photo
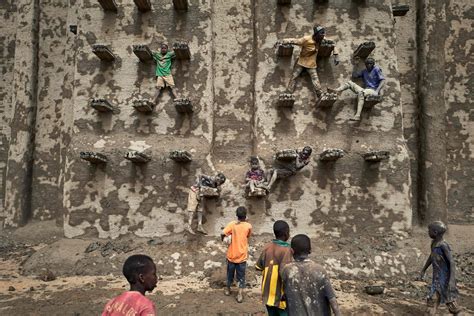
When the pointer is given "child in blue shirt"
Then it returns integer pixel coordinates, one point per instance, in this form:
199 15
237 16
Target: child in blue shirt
373 82
443 287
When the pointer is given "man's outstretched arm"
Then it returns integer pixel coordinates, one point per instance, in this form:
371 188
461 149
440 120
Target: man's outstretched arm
294 41
381 84
335 306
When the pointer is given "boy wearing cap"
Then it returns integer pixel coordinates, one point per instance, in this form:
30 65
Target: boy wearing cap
373 82
307 59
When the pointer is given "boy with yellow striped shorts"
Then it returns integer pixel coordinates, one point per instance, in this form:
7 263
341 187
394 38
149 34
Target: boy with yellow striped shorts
274 257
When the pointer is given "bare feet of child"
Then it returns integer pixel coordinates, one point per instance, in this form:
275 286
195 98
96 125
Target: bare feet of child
240 296
189 230
201 230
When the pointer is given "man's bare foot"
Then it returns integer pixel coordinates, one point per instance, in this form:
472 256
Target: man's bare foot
227 291
355 118
201 230
240 296
189 230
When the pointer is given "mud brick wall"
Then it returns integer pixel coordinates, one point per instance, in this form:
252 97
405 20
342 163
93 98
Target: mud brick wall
233 80
51 104
121 197
7 55
459 98
349 194
22 106
406 50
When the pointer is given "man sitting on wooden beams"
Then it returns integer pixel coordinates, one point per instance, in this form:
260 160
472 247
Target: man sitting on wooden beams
374 81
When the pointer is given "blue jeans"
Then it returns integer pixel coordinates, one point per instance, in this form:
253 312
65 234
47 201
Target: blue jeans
236 269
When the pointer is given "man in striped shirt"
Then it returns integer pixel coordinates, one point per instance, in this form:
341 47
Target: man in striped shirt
274 257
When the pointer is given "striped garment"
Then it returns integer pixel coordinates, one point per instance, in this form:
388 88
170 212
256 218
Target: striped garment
274 257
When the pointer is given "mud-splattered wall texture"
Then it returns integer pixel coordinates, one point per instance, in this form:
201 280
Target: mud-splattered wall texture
233 80
459 100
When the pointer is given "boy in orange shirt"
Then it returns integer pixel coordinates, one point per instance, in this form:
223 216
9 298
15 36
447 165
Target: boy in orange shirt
237 254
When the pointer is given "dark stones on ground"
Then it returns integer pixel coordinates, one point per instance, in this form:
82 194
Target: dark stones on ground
374 289
93 246
10 248
11 288
155 241
110 247
47 276
464 267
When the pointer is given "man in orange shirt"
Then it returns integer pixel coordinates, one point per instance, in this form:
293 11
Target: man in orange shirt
237 254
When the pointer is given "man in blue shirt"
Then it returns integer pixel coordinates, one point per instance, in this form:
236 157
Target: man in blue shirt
373 81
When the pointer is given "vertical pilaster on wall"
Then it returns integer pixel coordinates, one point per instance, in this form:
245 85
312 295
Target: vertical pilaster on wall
7 60
67 95
20 154
432 32
233 90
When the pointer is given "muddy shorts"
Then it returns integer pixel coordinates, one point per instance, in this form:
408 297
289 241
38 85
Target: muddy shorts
166 81
193 201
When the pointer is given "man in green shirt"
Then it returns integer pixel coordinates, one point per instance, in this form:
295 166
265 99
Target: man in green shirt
164 78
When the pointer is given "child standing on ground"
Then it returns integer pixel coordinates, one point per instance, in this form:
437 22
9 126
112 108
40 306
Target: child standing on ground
443 287
274 257
140 272
237 253
307 286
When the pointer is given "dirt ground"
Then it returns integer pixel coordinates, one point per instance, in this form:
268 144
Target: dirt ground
42 273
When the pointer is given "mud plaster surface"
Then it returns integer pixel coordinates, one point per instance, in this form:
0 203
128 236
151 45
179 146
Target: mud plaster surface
233 80
233 90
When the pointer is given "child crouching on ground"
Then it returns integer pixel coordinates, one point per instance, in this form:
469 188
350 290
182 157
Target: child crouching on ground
140 272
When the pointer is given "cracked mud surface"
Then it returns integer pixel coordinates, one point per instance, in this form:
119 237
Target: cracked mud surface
191 270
